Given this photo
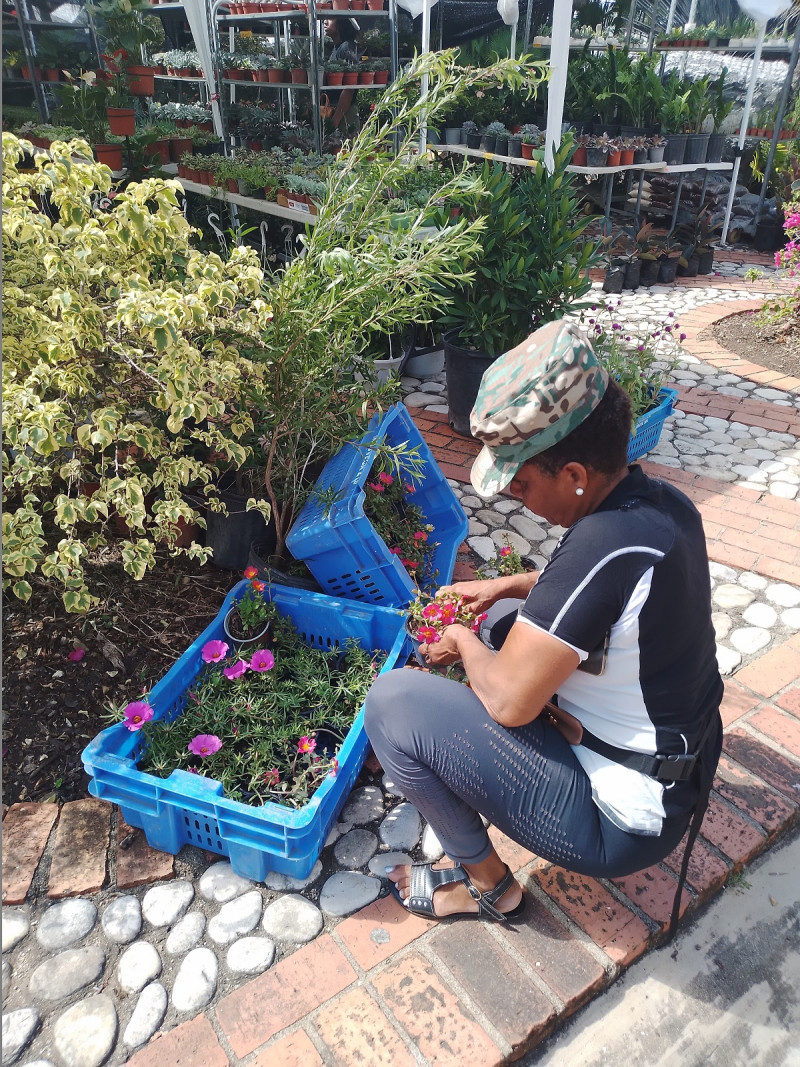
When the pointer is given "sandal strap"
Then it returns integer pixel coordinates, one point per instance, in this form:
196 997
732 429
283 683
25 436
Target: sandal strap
424 881
487 900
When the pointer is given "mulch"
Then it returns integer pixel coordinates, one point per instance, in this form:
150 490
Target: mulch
774 346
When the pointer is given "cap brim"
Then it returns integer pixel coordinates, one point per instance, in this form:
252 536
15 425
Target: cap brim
490 475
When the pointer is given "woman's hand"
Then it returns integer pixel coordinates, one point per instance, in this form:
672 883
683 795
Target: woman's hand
445 651
478 596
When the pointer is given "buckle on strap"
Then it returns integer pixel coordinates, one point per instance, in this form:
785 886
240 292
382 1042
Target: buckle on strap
675 768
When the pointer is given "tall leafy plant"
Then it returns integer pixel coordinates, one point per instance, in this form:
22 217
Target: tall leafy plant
534 256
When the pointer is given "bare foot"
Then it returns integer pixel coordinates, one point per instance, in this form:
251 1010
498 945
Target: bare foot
454 898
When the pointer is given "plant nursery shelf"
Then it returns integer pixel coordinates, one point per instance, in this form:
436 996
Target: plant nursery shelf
178 78
266 207
478 153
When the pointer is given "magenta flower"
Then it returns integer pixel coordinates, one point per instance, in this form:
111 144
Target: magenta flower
272 777
236 670
137 714
506 550
431 611
306 744
375 487
193 770
204 745
262 661
427 635
76 655
213 651
387 479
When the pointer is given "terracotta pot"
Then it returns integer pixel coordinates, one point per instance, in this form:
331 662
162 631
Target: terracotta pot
381 77
299 76
365 77
613 158
274 74
110 154
140 80
207 126
261 75
160 150
52 74
179 146
579 156
121 121
375 5
334 77
232 185
350 77
527 151
341 5
358 5
626 157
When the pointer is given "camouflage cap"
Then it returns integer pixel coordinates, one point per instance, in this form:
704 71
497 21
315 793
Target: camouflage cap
531 398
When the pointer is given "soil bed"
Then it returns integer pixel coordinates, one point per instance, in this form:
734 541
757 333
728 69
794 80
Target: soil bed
769 345
53 706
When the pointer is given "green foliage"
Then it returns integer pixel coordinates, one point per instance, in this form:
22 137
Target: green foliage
533 259
266 720
127 26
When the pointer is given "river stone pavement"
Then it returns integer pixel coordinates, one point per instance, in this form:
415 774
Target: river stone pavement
88 981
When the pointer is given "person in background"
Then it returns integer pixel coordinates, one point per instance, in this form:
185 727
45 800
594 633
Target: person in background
605 777
343 33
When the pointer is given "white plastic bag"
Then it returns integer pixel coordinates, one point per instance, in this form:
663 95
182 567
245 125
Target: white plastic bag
761 10
508 10
415 7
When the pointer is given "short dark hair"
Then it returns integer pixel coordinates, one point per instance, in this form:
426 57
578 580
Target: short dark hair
348 30
599 442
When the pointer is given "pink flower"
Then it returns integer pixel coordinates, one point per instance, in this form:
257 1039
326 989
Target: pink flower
506 550
426 635
448 614
272 777
431 611
137 714
386 479
374 486
213 651
204 745
420 535
306 744
334 768
410 488
193 770
250 572
76 655
395 551
262 661
236 670
259 587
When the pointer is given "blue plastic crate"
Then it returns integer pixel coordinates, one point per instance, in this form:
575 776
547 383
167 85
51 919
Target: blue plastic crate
650 425
188 809
342 549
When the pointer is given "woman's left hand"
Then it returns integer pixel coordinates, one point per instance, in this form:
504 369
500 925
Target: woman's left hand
445 651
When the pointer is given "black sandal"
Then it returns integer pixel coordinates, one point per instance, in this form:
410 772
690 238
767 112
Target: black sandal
425 880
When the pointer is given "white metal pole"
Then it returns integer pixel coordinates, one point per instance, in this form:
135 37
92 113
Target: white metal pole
692 13
748 101
426 47
559 58
671 15
514 41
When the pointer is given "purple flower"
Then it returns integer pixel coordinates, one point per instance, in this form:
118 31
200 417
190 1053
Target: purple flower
76 655
213 651
236 670
204 745
262 661
683 337
137 714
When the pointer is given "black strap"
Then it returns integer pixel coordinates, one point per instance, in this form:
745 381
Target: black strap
695 823
664 768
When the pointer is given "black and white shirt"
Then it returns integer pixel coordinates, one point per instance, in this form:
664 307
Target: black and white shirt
637 568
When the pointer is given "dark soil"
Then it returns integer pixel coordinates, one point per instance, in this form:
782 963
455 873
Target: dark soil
52 706
770 345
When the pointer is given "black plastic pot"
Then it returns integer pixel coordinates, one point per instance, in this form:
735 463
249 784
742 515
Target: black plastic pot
667 268
501 146
716 147
515 147
632 273
696 148
473 140
231 535
614 279
463 368
648 271
596 157
690 270
705 261
260 557
487 143
769 236
213 149
675 149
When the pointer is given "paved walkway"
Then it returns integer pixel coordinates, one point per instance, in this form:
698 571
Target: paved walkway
378 985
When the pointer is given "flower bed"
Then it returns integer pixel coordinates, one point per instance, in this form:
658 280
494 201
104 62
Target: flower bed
188 808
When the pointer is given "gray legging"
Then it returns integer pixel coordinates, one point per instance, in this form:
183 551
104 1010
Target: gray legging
439 745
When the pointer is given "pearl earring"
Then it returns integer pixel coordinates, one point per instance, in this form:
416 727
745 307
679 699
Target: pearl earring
579 491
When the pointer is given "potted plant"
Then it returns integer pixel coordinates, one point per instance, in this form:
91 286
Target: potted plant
470 135
249 618
719 109
614 152
674 115
597 150
531 266
656 146
130 30
532 139
334 72
668 252
119 100
612 253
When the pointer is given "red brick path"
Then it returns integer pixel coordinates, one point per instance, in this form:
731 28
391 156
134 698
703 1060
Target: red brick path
388 987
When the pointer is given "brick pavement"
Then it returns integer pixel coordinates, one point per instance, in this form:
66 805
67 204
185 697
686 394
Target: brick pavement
388 987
